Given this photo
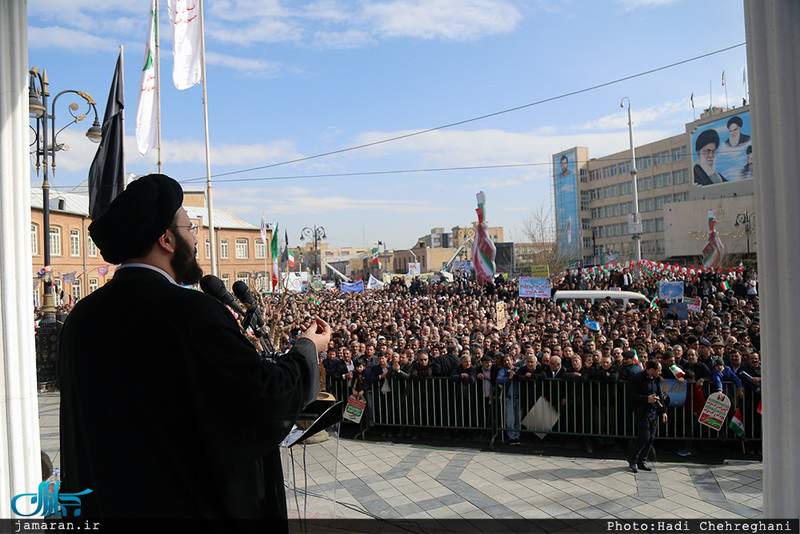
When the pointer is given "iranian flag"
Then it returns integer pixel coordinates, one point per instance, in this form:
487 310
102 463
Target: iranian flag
483 250
375 260
290 255
677 371
713 249
275 261
736 424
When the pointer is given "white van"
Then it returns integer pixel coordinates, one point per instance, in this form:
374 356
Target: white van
618 297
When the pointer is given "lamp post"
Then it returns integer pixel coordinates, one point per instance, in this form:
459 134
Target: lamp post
636 229
749 221
45 146
316 233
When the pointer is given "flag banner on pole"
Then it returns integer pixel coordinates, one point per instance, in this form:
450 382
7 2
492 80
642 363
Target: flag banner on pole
107 172
264 229
290 257
713 249
736 424
375 260
146 110
483 250
677 371
186 46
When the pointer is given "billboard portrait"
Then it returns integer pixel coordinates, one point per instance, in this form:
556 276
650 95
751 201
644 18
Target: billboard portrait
566 192
723 151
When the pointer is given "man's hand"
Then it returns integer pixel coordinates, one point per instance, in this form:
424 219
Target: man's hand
319 332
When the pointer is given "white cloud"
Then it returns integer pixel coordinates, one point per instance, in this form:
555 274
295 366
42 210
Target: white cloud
249 67
67 39
456 20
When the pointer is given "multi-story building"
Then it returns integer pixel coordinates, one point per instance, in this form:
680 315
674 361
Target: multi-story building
594 197
78 268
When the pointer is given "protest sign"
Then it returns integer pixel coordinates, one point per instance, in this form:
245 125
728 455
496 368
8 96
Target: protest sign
535 287
354 409
541 417
715 411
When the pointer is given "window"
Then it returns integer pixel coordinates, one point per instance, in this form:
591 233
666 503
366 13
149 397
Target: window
208 248
226 281
678 177
243 277
91 248
661 158
55 241
241 249
223 249
658 180
678 153
35 239
76 290
261 249
75 243
93 284
660 224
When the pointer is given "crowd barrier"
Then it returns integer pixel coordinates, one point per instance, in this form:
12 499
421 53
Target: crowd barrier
550 406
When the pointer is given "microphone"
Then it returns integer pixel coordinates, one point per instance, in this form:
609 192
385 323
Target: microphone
242 292
211 285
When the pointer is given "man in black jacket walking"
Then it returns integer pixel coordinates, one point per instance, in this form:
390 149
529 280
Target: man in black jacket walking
648 407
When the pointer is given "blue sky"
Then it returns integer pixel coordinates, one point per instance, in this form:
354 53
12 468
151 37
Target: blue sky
290 80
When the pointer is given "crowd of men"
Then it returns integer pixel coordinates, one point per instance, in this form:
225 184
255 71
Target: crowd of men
435 329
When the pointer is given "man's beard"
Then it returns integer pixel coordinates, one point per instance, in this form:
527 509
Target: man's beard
184 263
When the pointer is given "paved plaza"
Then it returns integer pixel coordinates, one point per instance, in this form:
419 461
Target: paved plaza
355 479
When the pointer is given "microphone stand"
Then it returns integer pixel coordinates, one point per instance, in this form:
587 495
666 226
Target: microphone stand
250 320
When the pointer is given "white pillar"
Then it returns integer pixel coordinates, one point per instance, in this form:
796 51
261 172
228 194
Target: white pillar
20 451
773 40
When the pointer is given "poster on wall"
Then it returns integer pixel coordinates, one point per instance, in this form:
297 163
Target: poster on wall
566 191
723 151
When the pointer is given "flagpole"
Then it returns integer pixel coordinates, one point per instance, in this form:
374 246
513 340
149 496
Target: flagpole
158 86
122 112
211 232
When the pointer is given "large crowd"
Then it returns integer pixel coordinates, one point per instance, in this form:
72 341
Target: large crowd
423 328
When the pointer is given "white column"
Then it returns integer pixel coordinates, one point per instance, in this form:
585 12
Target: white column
773 41
20 451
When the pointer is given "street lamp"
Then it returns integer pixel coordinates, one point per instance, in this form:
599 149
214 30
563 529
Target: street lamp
45 146
635 229
316 233
749 221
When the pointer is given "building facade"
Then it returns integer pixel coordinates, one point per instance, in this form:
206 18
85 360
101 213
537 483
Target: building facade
77 268
594 197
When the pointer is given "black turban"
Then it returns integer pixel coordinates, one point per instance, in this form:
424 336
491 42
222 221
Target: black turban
136 218
706 137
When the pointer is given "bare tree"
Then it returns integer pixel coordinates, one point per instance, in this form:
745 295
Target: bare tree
539 230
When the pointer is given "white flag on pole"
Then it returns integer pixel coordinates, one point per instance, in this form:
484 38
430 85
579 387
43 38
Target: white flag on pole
146 119
184 15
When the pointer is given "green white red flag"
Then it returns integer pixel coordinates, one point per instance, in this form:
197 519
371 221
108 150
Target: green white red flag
483 250
736 424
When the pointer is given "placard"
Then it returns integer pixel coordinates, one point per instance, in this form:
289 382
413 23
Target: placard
670 290
535 287
354 409
540 271
715 411
541 417
693 304
501 314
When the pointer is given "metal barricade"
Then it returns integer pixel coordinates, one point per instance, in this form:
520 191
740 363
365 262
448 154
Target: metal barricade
585 409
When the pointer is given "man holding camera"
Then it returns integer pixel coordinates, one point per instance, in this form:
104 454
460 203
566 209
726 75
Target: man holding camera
648 407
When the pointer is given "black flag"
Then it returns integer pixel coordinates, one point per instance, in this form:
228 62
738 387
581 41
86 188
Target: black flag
107 173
